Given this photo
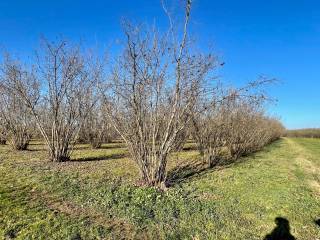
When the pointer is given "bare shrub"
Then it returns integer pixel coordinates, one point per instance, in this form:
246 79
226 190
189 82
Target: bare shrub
209 133
66 78
15 116
3 133
243 130
155 84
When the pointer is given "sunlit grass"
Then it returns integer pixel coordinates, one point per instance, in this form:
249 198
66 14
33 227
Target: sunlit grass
95 196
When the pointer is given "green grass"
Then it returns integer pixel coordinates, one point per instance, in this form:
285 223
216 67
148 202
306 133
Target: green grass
95 197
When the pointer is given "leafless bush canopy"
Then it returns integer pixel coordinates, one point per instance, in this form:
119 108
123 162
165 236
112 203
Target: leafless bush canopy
14 114
159 92
155 85
56 94
96 129
233 123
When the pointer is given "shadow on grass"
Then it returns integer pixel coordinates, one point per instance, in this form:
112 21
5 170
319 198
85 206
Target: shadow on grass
37 143
317 222
35 149
99 158
189 148
113 146
266 149
88 147
181 173
281 231
197 168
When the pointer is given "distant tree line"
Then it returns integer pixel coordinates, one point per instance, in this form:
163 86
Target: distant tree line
160 92
304 133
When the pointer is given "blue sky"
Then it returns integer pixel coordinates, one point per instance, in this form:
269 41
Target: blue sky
274 38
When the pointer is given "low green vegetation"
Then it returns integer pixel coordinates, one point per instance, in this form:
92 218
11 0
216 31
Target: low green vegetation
95 196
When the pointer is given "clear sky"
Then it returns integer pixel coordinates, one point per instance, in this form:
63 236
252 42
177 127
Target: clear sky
274 38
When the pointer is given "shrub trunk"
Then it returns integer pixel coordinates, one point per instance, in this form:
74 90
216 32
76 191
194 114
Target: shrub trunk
19 141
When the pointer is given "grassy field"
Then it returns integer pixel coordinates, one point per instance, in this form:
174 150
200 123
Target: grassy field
95 197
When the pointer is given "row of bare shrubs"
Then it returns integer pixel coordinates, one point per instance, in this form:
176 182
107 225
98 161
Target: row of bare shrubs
96 129
233 129
159 89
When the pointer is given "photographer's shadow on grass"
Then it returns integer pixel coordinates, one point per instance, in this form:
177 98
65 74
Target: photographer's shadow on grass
281 231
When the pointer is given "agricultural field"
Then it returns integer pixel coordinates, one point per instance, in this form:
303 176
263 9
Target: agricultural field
96 195
165 119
